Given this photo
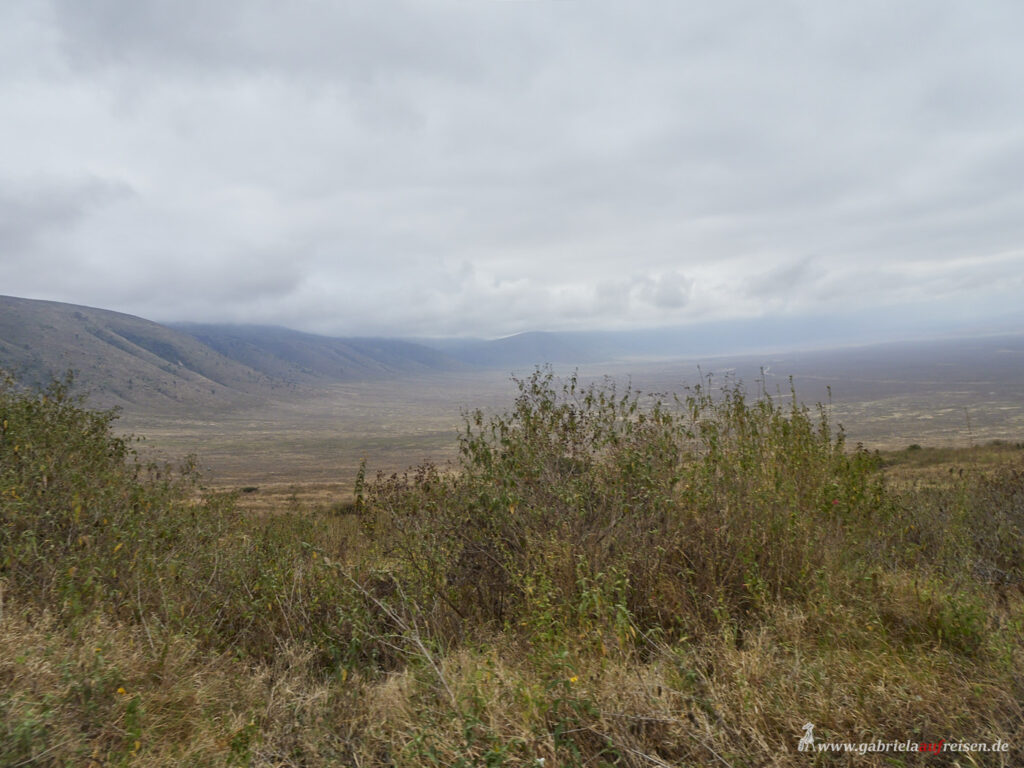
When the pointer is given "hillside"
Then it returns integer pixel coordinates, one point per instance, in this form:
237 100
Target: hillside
118 359
122 360
295 357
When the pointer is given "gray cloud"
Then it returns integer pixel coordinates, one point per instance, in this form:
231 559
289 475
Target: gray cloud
668 291
781 282
30 212
443 167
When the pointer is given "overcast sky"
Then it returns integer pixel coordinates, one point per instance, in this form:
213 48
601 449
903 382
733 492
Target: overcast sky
485 167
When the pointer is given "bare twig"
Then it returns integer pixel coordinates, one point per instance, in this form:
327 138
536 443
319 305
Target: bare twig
712 751
142 617
412 631
34 758
650 758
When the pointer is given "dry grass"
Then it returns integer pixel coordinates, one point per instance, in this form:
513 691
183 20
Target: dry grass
99 692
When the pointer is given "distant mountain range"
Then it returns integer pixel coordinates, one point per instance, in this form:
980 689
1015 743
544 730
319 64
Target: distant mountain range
128 361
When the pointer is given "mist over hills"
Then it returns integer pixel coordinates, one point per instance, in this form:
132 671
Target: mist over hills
527 349
759 336
295 357
122 360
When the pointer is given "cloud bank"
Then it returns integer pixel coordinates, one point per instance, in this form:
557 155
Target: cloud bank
450 168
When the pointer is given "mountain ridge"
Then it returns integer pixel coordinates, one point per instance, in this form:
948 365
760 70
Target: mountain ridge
127 361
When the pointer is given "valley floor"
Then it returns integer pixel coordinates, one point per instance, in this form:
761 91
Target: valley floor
322 436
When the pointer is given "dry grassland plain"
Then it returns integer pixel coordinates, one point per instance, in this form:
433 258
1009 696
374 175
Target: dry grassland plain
305 449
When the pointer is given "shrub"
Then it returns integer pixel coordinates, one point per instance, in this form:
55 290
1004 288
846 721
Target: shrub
700 509
85 526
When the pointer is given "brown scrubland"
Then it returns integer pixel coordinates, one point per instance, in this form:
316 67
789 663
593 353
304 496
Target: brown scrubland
599 578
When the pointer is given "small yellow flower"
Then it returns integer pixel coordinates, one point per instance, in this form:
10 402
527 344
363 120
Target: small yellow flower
122 691
574 679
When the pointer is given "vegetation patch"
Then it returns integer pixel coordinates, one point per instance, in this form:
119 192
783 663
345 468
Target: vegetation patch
602 579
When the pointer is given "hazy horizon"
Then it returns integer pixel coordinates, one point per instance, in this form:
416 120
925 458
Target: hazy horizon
714 338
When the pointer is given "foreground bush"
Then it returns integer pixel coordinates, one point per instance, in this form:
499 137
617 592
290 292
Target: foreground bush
604 579
85 526
684 517
92 537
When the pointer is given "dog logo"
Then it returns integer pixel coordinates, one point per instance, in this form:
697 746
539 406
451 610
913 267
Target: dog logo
807 742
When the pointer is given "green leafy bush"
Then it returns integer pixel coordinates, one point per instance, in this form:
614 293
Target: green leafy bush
699 510
85 526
